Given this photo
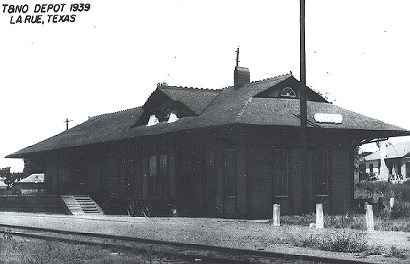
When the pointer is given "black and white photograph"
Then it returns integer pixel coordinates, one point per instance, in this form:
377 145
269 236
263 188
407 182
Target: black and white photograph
193 131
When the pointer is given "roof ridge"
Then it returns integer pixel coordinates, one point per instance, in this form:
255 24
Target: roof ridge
166 86
274 77
116 112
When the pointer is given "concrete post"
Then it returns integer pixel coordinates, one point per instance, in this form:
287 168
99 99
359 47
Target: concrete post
369 218
276 215
391 203
384 171
403 170
319 216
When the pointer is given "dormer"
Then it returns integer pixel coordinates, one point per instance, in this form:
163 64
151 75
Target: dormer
161 108
290 89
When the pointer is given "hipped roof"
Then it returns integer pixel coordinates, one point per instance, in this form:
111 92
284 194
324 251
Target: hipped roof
33 178
212 108
397 150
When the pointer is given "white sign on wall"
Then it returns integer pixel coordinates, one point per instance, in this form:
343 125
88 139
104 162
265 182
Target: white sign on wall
328 118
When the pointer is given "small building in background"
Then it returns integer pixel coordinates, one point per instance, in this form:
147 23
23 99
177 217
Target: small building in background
3 186
33 184
390 163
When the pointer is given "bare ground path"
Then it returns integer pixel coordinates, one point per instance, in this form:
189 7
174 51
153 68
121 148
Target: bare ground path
241 234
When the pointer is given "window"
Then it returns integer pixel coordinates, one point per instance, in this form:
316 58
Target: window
288 92
321 172
230 173
158 176
153 120
152 173
163 169
371 167
280 172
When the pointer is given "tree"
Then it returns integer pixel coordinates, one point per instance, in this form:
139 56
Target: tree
8 176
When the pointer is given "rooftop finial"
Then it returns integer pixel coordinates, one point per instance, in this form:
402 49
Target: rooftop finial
237 56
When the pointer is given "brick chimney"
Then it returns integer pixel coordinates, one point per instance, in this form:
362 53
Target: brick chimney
241 77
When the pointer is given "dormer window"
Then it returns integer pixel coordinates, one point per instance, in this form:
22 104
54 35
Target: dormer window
153 120
172 117
288 92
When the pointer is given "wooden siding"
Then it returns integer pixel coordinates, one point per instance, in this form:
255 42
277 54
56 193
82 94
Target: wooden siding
196 179
260 181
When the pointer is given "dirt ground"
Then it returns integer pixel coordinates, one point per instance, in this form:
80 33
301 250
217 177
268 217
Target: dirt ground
242 234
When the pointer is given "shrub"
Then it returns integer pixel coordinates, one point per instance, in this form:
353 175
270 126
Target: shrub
400 210
398 253
345 242
340 241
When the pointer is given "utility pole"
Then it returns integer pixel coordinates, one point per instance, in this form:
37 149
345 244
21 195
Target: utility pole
237 56
303 110
67 121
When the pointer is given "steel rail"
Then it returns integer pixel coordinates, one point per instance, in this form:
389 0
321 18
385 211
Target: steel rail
189 251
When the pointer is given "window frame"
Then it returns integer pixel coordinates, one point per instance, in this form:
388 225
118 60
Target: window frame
284 154
326 174
230 176
158 182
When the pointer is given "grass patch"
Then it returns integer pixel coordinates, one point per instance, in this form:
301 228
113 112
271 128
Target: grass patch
340 241
398 219
14 249
352 221
397 253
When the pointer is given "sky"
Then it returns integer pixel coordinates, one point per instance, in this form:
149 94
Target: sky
112 56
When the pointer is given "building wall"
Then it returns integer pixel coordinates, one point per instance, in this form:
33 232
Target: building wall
197 176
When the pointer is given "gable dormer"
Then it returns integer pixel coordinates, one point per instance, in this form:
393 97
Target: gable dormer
290 88
160 108
170 103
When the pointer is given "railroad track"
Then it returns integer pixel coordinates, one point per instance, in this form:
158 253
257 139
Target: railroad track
189 252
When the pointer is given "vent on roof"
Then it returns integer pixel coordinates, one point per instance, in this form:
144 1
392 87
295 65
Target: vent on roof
153 120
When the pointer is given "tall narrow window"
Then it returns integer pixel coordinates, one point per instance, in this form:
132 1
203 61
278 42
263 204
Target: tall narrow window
321 172
152 179
230 173
163 168
280 172
371 167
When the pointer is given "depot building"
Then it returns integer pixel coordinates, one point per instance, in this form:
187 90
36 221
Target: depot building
230 152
